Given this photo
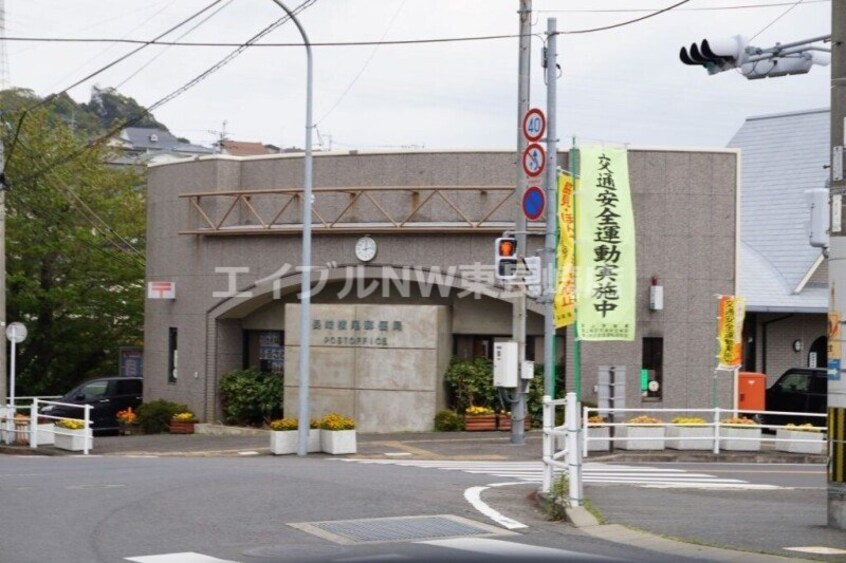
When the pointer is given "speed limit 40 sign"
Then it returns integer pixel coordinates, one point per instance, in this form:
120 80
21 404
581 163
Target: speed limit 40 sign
534 125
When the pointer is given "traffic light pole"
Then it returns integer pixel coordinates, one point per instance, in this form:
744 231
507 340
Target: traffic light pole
518 317
837 275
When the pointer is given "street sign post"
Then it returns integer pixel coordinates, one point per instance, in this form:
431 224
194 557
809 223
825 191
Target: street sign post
534 203
534 125
534 160
16 333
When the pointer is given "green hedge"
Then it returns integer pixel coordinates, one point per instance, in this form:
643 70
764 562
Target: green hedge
251 397
154 417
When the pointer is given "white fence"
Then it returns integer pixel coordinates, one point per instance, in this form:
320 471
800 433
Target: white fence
569 459
32 429
714 434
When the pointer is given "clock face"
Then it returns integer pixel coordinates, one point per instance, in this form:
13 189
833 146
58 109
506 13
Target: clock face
365 249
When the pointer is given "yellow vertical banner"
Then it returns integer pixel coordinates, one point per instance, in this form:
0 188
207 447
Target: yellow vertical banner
606 275
730 331
564 301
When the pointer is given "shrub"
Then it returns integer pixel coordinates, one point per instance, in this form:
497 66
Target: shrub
155 416
470 382
251 397
335 421
447 421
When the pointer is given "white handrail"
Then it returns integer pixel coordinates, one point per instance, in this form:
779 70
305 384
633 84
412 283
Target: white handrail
570 453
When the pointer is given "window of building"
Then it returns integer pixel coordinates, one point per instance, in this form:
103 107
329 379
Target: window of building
172 356
652 366
265 350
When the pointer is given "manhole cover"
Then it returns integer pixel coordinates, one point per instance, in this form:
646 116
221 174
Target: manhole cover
405 528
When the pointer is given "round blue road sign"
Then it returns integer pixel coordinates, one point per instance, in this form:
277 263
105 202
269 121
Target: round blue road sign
534 203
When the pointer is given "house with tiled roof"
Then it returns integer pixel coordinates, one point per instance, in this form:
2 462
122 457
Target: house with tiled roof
782 277
142 145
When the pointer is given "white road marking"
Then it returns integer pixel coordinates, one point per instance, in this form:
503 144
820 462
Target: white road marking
186 557
594 473
474 497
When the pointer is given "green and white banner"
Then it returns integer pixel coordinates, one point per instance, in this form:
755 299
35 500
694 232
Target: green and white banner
606 272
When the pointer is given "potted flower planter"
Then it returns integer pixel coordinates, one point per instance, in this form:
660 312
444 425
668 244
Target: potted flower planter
599 438
817 446
338 441
182 426
73 440
480 423
740 438
46 436
681 437
639 437
503 422
286 441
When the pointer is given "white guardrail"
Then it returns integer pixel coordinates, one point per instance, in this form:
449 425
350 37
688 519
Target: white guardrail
33 430
568 459
715 436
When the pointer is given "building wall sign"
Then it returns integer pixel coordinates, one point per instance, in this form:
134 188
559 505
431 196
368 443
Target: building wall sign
355 332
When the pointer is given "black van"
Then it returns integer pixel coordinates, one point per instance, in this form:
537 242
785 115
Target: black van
106 395
798 390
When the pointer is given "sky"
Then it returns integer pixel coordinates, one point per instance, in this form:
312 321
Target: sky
621 86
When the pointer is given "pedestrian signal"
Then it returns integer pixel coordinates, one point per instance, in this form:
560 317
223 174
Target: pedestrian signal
505 249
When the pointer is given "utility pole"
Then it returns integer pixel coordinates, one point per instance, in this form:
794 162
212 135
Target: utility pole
3 390
551 64
518 319
837 275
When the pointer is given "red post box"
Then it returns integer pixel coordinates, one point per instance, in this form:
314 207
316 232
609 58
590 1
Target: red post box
751 391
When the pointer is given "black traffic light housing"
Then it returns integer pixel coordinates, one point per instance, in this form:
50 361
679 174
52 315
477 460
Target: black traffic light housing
505 252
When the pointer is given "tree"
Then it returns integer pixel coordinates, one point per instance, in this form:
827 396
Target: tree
74 243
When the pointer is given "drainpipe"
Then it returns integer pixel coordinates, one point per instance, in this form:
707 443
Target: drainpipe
764 326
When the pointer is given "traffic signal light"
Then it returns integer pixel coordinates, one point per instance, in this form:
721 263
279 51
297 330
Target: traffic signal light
726 54
505 251
717 56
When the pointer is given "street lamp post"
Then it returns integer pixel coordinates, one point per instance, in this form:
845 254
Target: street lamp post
305 287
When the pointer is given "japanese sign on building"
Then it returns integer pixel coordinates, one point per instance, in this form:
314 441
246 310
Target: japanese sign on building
729 333
356 332
606 273
564 304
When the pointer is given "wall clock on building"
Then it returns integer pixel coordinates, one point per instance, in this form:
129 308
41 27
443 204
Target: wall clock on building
365 249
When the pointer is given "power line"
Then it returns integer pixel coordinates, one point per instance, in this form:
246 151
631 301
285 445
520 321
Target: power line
694 9
769 25
174 94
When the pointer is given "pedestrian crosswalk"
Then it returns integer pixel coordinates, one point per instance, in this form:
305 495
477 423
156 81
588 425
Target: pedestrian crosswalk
592 473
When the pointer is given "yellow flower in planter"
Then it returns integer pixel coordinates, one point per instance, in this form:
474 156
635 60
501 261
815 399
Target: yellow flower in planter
335 421
596 420
70 424
186 416
807 427
643 420
689 421
739 421
478 411
284 424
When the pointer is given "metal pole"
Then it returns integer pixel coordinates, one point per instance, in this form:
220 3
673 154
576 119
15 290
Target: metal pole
577 343
518 321
836 276
305 287
574 458
3 186
12 379
551 206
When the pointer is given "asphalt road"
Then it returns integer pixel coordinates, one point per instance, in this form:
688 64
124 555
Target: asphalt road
756 520
155 510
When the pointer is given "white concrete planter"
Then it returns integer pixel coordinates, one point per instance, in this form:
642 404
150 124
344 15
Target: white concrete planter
740 439
285 441
651 437
689 437
338 441
46 437
815 447
599 439
73 440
